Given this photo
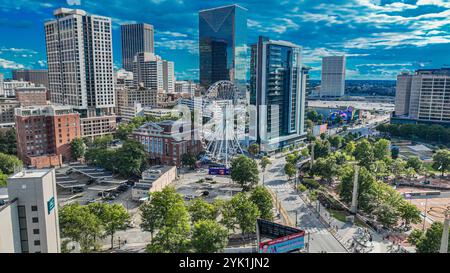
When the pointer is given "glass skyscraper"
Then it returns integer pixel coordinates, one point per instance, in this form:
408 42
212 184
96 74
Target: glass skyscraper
223 45
277 89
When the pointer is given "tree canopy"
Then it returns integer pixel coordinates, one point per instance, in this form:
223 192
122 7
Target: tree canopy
244 171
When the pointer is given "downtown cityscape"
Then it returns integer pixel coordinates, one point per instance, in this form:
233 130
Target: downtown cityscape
231 127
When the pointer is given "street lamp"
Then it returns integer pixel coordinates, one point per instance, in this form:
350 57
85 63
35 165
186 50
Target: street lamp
424 212
442 212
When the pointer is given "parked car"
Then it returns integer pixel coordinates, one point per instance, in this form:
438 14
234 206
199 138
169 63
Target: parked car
209 178
77 190
205 193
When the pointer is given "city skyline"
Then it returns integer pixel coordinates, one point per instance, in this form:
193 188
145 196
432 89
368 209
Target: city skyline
382 38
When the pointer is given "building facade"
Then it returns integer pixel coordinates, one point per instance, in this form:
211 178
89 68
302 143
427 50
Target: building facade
37 76
223 46
10 86
28 96
135 38
166 141
32 206
152 72
424 96
333 76
45 133
7 107
80 61
130 96
278 90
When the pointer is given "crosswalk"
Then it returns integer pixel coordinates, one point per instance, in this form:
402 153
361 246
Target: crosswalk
315 230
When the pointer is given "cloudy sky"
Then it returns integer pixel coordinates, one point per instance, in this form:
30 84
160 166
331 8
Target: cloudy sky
380 37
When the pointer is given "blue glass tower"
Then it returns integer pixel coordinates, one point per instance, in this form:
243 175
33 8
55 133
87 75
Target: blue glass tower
277 89
223 45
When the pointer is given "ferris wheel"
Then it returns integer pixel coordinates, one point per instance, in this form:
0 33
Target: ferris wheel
224 126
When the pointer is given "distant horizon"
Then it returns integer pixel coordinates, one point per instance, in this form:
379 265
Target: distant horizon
380 38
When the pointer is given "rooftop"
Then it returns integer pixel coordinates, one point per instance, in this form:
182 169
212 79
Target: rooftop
31 173
227 6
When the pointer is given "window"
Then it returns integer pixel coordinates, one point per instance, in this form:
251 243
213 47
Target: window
34 208
35 220
36 231
37 242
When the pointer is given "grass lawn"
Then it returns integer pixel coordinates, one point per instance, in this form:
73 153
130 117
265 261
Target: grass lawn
340 216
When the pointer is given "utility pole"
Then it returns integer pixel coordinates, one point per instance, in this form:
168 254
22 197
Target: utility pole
296 217
354 207
312 155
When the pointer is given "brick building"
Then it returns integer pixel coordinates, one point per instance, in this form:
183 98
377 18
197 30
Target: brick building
31 96
167 141
44 134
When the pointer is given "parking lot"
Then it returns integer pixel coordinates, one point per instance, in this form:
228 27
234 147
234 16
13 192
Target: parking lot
210 187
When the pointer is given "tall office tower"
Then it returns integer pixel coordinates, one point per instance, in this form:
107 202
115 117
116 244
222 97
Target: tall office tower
37 76
135 38
80 61
333 76
428 91
148 71
402 94
279 93
223 46
44 134
168 77
34 212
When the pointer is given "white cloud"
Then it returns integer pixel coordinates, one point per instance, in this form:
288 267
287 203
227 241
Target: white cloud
73 2
7 64
190 45
17 50
172 34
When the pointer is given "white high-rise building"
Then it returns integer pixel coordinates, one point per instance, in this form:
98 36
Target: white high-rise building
333 76
29 219
424 96
150 71
80 61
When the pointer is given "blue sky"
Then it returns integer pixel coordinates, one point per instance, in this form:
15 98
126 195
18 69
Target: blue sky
380 37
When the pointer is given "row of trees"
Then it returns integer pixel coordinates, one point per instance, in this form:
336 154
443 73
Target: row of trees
200 226
128 160
8 164
436 133
87 224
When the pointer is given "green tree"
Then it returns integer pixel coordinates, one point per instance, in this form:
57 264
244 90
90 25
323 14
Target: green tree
102 141
387 214
322 148
364 153
409 213
188 160
416 236
441 161
336 141
431 241
415 163
3 179
253 149
290 170
114 217
313 116
8 142
325 168
202 210
244 171
77 148
174 235
154 213
350 148
9 163
79 224
130 159
366 182
309 125
228 220
263 200
246 212
209 237
265 161
381 149
292 158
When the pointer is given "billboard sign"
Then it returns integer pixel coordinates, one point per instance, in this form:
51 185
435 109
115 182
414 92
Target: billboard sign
50 204
218 171
284 244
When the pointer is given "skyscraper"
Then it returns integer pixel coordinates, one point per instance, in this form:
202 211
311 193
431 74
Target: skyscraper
135 38
80 61
423 96
223 45
150 71
333 76
278 90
